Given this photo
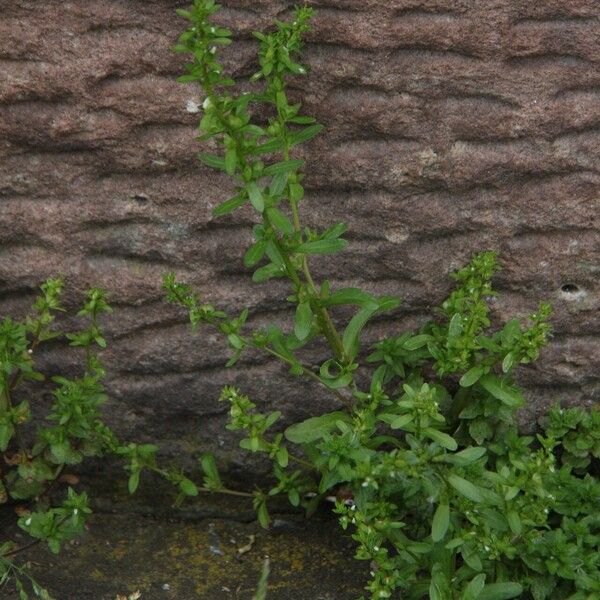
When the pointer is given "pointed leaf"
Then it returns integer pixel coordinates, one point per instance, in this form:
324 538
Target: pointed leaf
303 320
466 488
440 523
471 376
322 246
506 394
501 591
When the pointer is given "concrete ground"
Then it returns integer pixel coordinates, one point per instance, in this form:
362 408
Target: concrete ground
208 549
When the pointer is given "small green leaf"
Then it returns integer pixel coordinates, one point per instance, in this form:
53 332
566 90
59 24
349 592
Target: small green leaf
441 522
354 327
471 376
496 387
443 439
303 320
508 362
397 421
134 480
266 272
322 246
464 457
212 160
514 522
256 197
306 134
314 428
188 487
350 296
466 488
229 205
280 220
284 166
455 326
230 161
263 515
255 253
416 342
473 590
207 462
501 591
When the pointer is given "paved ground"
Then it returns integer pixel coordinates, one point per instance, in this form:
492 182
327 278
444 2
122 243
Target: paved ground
209 550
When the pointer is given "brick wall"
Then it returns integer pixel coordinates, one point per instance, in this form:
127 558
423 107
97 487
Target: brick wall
451 126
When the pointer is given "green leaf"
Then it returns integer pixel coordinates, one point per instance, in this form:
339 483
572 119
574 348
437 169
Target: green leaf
397 421
209 467
212 160
441 522
322 246
134 480
496 387
303 320
501 591
188 487
230 161
514 522
455 326
280 220
256 197
229 205
284 166
268 147
350 296
355 326
471 376
443 439
306 134
266 272
263 515
6 432
473 590
508 362
314 428
255 253
417 341
464 457
466 488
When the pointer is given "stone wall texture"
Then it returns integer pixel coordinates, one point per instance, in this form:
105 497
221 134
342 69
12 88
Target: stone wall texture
451 126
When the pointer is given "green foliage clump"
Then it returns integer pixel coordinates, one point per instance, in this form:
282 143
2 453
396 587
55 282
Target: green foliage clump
35 449
443 495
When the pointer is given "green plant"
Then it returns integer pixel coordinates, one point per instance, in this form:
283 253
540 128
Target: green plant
35 453
444 497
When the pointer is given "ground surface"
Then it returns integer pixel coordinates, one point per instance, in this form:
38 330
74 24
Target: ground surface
194 553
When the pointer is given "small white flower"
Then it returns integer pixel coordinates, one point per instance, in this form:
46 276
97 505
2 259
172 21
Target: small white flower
207 103
375 548
365 484
76 511
486 548
301 70
213 49
28 522
212 30
192 106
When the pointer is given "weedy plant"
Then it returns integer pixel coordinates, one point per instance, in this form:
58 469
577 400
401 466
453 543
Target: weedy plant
443 496
34 454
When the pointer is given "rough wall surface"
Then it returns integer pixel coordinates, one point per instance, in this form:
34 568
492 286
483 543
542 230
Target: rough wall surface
452 126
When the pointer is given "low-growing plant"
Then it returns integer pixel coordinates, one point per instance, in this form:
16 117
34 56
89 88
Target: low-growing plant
443 495
35 451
